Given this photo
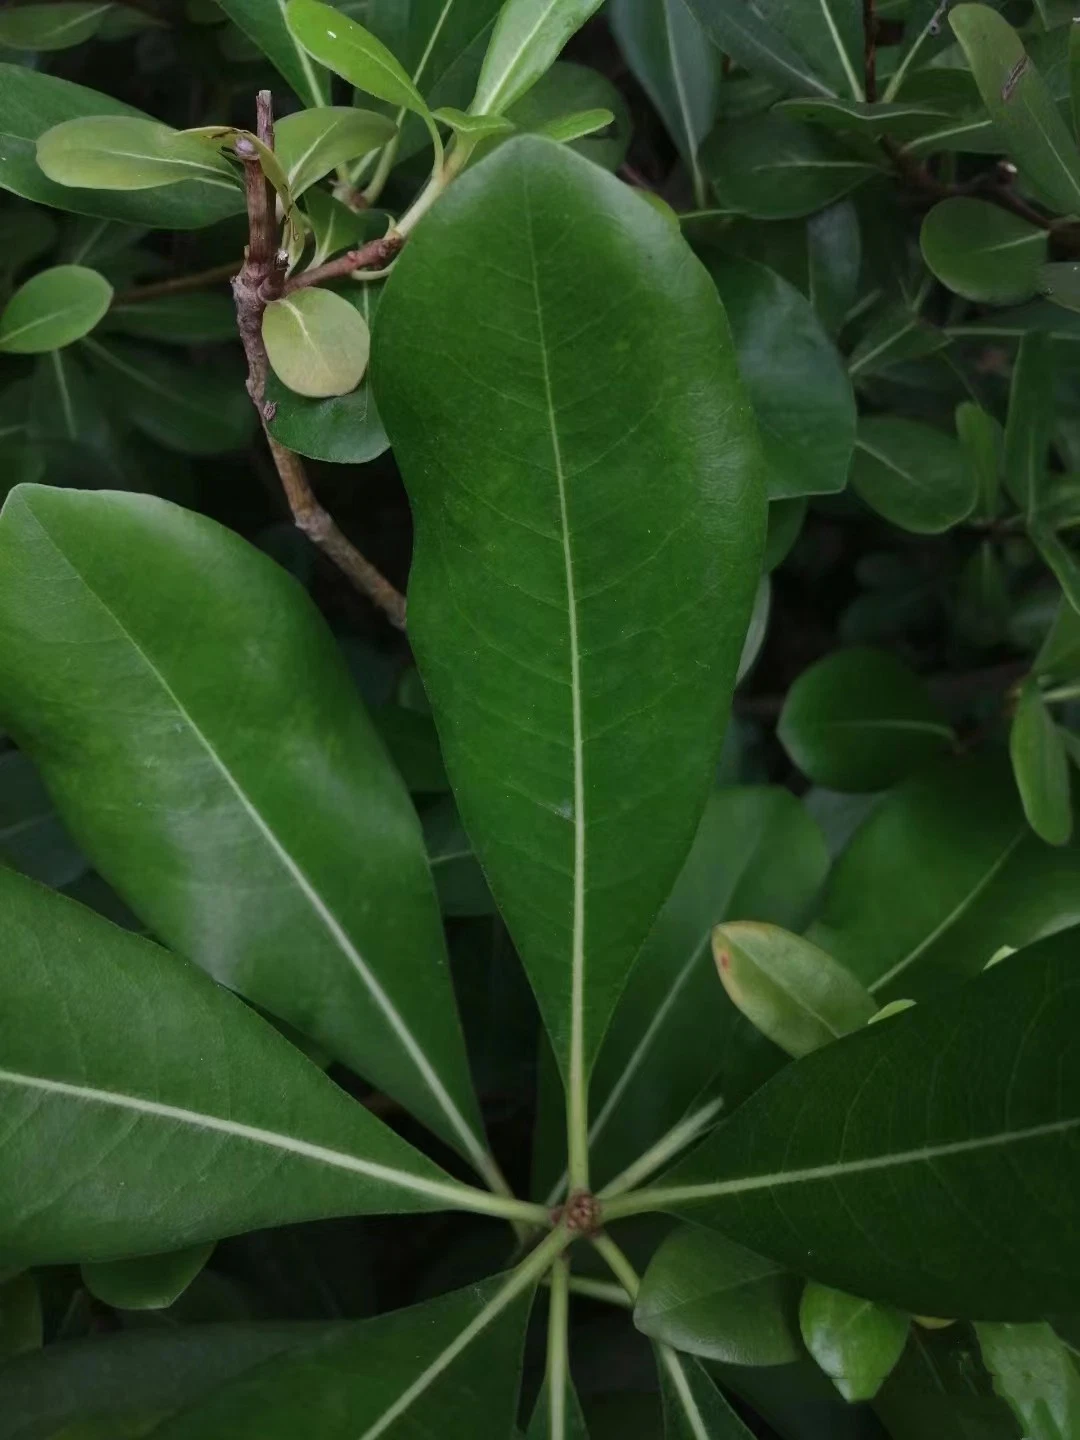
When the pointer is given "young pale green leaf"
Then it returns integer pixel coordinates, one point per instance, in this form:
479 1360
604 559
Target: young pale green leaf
706 1296
317 342
32 103
346 48
929 1162
1021 106
773 168
123 152
51 27
434 1368
1030 422
856 1342
473 127
558 99
694 1408
1058 659
573 127
311 143
527 40
54 309
98 1057
913 474
797 383
1035 1372
264 23
983 252
983 442
787 988
20 1317
859 720
670 55
150 1282
1041 767
590 581
170 615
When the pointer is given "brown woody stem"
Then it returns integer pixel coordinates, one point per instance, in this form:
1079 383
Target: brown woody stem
375 255
178 285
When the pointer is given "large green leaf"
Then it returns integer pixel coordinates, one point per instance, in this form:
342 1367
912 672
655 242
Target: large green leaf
202 738
449 1367
147 1282
31 103
578 630
774 168
263 21
808 49
943 873
1037 1375
527 40
97 1079
940 1388
859 720
311 143
929 1161
55 308
125 152
694 1408
983 252
797 382
913 474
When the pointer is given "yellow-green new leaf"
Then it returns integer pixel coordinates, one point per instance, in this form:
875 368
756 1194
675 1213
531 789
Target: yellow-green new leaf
51 27
473 127
527 40
54 309
317 342
123 152
573 127
790 990
311 143
1041 767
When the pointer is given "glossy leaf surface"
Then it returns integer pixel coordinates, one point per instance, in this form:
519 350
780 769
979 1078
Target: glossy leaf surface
1041 767
56 308
856 1342
912 474
1037 1376
983 252
535 511
345 47
215 780
527 40
123 152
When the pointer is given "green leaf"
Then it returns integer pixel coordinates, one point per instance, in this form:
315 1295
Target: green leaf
424 1370
123 152
202 318
928 1162
311 143
352 52
1059 557
575 127
856 1342
797 382
786 519
773 168
859 720
567 88
941 1388
694 1408
983 442
32 103
20 1317
897 335
706 1296
527 40
943 873
902 121
1058 659
912 474
151 1282
1030 422
541 1424
803 48
476 127
671 57
51 27
983 252
171 615
1021 106
264 22
1036 1373
570 573
317 342
1061 283
458 878
54 309
99 1055
1041 767
32 839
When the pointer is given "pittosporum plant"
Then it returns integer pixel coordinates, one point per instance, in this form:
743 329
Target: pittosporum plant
418 1025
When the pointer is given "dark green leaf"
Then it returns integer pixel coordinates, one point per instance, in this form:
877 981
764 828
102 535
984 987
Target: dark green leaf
1061 560
172 616
940 1388
859 720
983 252
527 39
544 595
707 1296
983 442
203 318
1036 1374
458 878
1041 767
1061 283
897 335
912 474
694 1408
263 22
785 523
20 1317
856 1342
1059 655
797 382
773 168
540 1426
52 27
902 121
929 1162
150 1282
32 839
1030 422
803 49
56 308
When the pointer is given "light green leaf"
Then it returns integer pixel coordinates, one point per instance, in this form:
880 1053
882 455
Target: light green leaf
51 27
536 511
123 152
929 1162
856 1342
983 252
317 342
475 127
706 1296
797 382
352 52
20 1317
311 143
151 1282
773 168
98 1056
1020 105
54 309
913 474
694 1408
574 127
1037 1375
789 989
859 720
264 22
527 40
1030 422
1041 767
169 615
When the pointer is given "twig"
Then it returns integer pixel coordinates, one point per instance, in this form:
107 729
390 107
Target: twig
178 285
920 178
375 255
261 280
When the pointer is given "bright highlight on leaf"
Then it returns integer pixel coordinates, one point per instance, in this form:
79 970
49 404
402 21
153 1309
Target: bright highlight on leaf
54 309
317 342
528 37
856 1342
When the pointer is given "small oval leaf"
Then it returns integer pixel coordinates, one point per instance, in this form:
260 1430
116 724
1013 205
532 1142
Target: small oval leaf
983 252
912 474
1041 767
317 342
54 309
352 52
855 1342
